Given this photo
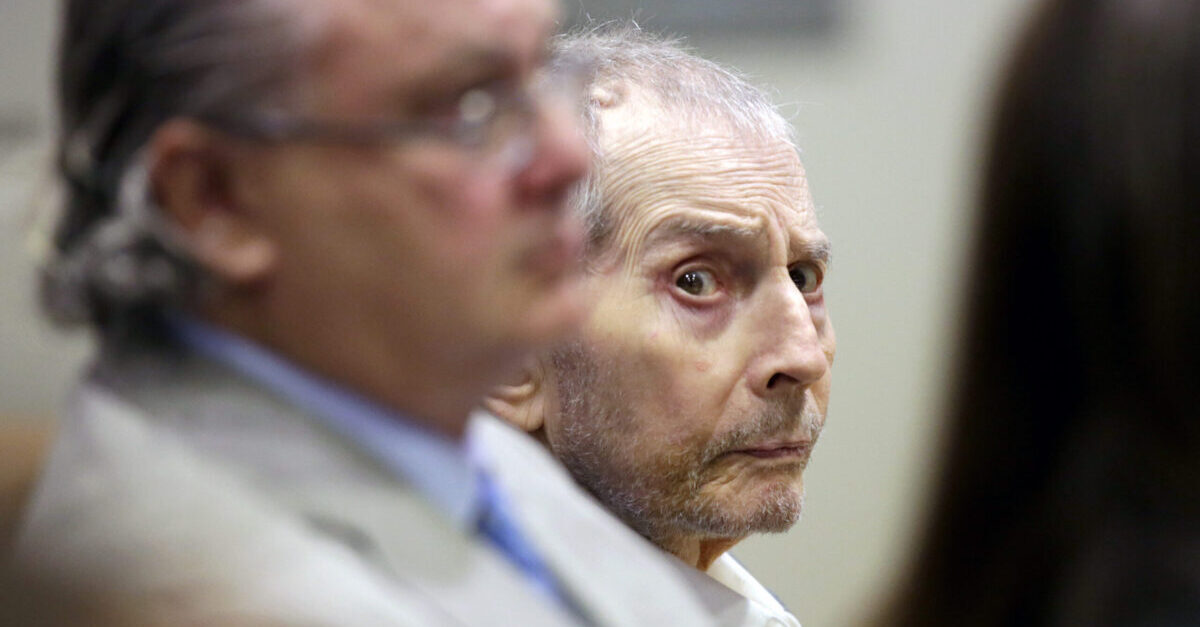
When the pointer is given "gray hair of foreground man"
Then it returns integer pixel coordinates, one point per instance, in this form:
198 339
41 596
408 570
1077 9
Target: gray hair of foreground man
125 67
685 86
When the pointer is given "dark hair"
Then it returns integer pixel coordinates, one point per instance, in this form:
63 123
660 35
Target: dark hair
1070 490
124 68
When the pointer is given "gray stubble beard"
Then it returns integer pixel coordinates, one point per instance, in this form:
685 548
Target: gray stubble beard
664 503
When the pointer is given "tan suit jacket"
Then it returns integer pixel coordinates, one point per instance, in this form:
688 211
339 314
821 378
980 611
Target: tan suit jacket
202 499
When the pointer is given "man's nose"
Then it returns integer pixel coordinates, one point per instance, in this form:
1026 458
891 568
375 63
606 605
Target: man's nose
791 355
560 152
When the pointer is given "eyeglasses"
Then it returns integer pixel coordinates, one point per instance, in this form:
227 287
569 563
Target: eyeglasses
488 121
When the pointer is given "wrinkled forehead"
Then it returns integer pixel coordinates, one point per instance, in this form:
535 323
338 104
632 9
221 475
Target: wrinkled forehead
663 174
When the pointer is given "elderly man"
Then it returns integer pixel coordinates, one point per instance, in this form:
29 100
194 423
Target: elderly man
691 400
309 235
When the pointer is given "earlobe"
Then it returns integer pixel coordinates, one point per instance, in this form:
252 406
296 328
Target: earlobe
190 177
521 404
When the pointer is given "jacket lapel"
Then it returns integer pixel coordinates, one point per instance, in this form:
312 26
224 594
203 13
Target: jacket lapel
423 550
334 488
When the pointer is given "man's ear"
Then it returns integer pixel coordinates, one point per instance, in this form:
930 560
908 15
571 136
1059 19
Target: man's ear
192 172
523 402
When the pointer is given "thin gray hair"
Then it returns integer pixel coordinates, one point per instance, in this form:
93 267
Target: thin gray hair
686 86
124 68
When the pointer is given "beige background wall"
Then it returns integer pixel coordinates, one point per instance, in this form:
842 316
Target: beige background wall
888 113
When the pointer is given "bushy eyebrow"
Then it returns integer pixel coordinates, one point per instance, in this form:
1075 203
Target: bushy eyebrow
819 250
699 229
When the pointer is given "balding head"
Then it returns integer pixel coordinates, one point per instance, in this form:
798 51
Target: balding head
641 80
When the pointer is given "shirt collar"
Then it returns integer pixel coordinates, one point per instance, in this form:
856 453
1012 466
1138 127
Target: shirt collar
730 572
440 468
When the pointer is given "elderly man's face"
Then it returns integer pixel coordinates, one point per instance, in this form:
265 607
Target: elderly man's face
699 385
456 259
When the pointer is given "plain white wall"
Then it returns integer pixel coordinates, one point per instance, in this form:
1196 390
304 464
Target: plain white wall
889 113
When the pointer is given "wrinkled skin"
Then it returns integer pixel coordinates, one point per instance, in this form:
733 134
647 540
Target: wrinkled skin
691 400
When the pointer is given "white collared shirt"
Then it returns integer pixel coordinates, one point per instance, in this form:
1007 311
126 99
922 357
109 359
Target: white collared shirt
734 576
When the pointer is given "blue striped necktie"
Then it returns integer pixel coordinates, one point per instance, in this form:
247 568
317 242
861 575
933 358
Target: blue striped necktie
497 525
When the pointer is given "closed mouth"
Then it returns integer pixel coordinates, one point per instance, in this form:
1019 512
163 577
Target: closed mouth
782 450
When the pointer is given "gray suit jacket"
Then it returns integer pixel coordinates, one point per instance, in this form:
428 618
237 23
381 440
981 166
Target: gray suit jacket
179 487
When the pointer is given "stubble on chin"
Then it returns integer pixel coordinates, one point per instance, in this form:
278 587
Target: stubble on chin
676 494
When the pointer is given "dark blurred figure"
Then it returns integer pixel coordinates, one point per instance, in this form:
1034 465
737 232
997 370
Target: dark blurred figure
1070 489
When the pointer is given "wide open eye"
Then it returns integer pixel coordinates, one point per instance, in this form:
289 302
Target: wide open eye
697 282
806 277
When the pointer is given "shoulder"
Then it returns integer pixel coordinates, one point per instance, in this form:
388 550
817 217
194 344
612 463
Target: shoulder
126 510
180 484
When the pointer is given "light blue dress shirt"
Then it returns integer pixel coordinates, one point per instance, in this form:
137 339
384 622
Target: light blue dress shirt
445 472
442 470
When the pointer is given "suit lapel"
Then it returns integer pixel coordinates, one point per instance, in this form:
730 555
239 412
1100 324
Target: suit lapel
421 549
337 490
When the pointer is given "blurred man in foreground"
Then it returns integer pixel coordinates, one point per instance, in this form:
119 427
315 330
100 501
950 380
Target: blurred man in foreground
691 400
308 235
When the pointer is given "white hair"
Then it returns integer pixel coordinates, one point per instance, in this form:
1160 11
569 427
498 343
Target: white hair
687 87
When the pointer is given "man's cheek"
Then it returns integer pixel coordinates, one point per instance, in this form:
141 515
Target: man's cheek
675 438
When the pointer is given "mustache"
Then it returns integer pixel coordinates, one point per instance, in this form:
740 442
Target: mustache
770 424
